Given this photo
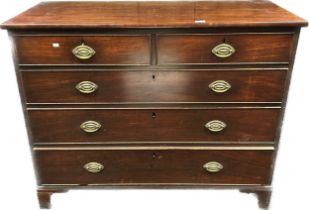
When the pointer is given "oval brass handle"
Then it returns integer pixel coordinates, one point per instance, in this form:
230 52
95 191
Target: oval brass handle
215 125
223 50
219 86
86 87
83 52
213 167
93 167
90 126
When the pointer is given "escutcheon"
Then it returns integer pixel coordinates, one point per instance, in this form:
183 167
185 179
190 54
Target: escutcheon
90 126
83 52
213 167
86 87
223 50
219 86
215 125
94 167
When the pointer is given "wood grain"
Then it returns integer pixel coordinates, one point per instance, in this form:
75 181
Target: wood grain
121 49
197 49
158 53
155 166
153 86
154 125
180 14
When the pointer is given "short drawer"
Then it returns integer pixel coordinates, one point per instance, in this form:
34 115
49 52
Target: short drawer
154 125
131 49
121 167
204 49
154 86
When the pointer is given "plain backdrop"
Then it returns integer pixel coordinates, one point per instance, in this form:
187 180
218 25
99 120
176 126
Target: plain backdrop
17 180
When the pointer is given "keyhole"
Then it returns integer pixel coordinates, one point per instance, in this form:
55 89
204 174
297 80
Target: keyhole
224 40
154 155
153 115
153 76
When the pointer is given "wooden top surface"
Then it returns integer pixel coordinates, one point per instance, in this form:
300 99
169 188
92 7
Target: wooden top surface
166 14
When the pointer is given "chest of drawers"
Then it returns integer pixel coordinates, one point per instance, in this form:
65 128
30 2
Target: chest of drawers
154 94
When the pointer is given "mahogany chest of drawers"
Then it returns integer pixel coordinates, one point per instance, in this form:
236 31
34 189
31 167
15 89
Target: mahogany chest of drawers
154 94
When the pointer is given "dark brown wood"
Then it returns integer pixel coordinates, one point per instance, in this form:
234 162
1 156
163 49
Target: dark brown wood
153 86
154 125
197 49
263 196
118 50
154 166
286 91
189 14
44 196
153 65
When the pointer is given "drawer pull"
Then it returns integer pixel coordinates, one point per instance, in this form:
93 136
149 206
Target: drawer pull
219 86
94 167
223 50
86 87
83 52
90 126
215 125
213 167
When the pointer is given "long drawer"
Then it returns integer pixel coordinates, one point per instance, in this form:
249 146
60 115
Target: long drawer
154 86
121 49
224 49
154 125
156 166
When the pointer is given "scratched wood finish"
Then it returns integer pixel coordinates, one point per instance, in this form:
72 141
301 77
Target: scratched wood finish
108 49
154 166
153 86
179 14
247 125
197 49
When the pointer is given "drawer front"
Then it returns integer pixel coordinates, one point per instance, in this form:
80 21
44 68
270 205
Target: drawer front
106 49
153 167
198 49
154 125
155 86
